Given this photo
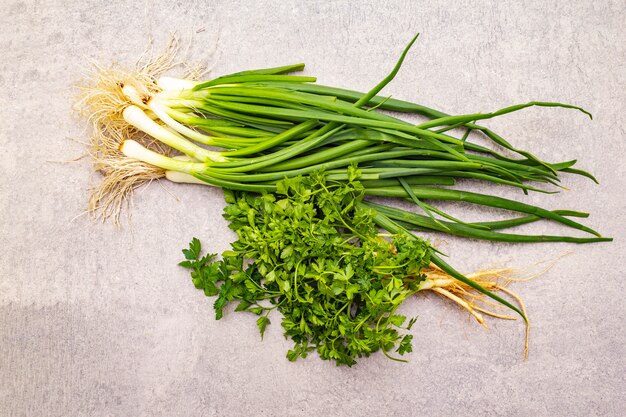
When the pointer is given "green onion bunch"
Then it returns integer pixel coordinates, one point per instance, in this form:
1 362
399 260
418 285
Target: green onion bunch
271 125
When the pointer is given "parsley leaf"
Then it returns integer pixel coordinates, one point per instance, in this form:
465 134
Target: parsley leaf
262 323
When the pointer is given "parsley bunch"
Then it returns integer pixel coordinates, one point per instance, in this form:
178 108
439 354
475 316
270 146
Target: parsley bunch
315 255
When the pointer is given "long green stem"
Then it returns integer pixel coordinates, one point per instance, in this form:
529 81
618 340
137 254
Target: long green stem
470 231
481 199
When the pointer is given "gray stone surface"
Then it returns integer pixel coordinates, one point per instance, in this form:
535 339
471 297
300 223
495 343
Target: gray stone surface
99 321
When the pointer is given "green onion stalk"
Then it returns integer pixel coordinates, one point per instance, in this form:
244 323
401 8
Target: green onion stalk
249 130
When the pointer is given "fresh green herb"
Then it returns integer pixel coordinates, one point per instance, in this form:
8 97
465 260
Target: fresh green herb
315 255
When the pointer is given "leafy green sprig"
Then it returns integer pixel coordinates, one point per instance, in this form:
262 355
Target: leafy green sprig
313 253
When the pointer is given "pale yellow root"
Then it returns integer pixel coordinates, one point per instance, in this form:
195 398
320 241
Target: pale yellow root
494 280
462 303
101 102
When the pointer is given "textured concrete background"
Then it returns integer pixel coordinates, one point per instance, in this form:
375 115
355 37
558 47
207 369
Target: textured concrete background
98 321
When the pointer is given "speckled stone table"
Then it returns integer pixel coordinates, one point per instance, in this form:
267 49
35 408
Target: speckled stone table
97 320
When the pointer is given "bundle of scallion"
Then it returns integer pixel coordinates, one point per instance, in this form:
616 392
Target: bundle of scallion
270 126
